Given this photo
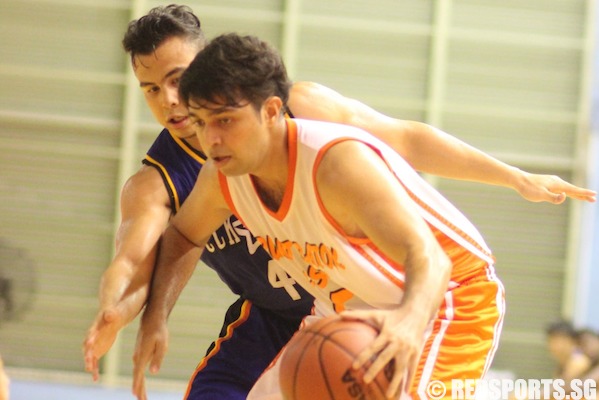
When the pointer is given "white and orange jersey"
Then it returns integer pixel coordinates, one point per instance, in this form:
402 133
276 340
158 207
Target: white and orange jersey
347 272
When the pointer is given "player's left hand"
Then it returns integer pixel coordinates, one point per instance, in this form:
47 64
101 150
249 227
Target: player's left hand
400 339
552 189
150 349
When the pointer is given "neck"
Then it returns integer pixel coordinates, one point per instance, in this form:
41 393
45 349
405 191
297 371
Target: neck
272 179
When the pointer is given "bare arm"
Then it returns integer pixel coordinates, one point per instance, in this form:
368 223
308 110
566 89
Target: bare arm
366 199
429 149
125 284
183 241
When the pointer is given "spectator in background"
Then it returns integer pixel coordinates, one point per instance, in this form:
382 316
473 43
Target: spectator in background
562 340
588 341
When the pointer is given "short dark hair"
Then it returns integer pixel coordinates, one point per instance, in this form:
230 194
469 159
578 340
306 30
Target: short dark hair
586 331
561 327
146 34
235 69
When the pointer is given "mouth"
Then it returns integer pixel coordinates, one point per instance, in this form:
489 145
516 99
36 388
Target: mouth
178 122
220 161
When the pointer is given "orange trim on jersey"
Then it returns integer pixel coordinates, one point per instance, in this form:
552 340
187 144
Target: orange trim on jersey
224 188
351 239
168 179
186 148
444 221
243 316
414 198
280 214
382 268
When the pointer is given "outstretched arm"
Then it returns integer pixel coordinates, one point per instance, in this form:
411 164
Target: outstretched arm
429 149
183 241
125 284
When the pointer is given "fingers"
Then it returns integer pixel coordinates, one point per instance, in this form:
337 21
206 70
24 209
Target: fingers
395 387
139 379
92 364
89 360
370 353
379 363
565 189
157 357
139 386
146 353
558 198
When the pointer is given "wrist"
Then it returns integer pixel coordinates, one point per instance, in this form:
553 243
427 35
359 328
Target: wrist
516 179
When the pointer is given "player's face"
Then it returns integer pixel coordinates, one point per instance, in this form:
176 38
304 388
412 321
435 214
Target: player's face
158 74
236 139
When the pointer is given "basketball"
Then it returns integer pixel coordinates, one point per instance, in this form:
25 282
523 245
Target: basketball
317 363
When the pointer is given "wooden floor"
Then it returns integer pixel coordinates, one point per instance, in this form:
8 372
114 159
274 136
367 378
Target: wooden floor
34 390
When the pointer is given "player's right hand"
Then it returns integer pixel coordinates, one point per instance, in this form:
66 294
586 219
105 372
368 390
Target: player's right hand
150 349
100 338
552 189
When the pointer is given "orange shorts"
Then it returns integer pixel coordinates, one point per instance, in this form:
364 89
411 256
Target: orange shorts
463 338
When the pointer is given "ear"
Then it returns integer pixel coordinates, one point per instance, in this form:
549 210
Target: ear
272 108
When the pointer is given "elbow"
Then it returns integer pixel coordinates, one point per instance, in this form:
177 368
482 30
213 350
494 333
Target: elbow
444 266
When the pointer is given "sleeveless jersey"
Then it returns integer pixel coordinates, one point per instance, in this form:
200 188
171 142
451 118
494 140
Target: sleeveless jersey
235 255
340 271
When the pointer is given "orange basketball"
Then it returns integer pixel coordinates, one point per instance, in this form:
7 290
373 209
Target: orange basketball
317 363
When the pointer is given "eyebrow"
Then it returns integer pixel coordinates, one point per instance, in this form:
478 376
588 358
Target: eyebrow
213 111
168 75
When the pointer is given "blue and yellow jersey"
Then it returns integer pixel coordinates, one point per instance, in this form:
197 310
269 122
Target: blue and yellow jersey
236 256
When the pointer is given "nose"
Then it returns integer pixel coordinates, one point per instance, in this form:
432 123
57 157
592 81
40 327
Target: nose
209 137
170 97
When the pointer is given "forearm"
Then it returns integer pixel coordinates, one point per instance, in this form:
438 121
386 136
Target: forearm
427 277
435 152
176 262
125 287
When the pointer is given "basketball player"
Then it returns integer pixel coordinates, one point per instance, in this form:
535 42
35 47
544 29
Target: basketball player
171 38
344 215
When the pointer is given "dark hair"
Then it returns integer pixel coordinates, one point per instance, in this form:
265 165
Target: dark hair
561 327
586 331
146 34
234 69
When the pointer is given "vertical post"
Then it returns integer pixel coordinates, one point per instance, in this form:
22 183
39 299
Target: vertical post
437 76
577 283
582 274
290 35
127 162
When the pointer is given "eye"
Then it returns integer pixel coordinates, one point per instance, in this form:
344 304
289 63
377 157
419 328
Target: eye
152 90
225 120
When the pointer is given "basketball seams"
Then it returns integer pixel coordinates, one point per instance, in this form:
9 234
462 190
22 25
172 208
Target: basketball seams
328 338
317 362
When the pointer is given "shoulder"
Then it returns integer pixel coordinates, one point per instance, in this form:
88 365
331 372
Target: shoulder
338 158
146 186
311 100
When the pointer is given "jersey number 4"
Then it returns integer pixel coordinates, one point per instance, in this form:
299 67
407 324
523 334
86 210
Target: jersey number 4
278 278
